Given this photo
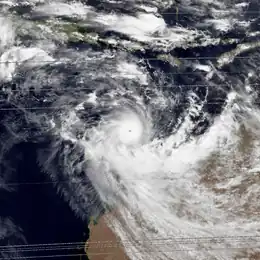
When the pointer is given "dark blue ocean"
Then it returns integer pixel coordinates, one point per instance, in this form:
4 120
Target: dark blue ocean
38 209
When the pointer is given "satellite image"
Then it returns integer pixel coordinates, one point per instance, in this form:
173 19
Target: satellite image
130 130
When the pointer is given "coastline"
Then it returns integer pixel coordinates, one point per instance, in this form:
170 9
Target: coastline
103 244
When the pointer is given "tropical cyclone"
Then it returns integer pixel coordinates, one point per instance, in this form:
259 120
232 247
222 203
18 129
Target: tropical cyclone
126 124
156 188
152 116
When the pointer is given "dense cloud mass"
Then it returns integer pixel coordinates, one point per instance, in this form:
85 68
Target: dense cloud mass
148 109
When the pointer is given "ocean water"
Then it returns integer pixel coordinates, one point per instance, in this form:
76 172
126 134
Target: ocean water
42 215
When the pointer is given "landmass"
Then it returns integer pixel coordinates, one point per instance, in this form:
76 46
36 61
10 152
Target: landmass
103 244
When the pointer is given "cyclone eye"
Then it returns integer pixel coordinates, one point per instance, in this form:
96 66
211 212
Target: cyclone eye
125 127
